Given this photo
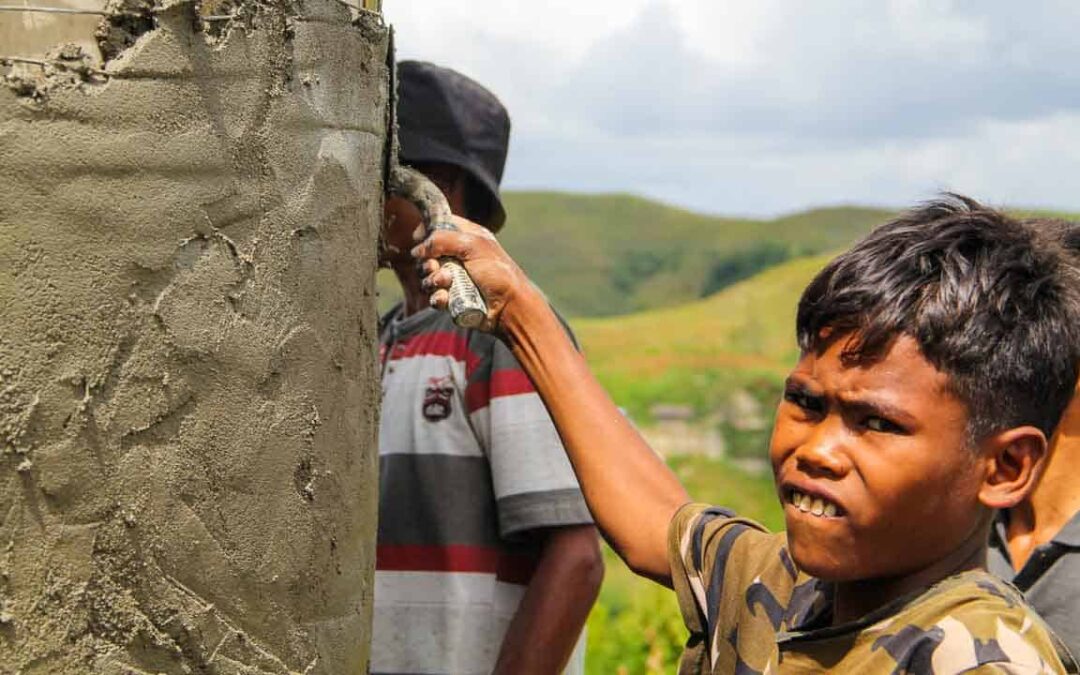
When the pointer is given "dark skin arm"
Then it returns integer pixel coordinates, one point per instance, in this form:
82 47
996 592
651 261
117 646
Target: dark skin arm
548 622
631 492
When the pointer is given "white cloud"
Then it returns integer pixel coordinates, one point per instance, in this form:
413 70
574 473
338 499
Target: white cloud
562 27
762 106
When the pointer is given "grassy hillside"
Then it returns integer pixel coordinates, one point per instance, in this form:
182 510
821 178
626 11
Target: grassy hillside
697 353
599 255
602 255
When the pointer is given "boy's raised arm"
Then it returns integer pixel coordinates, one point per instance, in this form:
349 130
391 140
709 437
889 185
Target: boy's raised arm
631 492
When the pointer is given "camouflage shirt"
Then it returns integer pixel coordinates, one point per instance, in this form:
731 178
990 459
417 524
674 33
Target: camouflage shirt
750 610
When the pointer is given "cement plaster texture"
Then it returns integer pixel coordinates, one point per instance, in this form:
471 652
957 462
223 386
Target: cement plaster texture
188 392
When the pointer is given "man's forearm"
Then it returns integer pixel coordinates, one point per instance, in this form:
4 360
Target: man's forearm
631 492
548 622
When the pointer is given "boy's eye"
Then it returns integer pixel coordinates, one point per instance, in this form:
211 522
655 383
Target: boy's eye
883 425
804 400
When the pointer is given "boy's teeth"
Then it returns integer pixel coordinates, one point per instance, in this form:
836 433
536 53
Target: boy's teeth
814 505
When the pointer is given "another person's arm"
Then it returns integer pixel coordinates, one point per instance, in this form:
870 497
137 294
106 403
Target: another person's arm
630 491
548 622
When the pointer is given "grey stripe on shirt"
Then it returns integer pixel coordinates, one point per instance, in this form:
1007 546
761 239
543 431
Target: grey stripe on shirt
436 500
531 510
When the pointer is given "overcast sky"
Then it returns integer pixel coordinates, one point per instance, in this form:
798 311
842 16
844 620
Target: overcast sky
769 106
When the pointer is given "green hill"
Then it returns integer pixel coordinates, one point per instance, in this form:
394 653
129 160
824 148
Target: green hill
699 352
615 254
602 255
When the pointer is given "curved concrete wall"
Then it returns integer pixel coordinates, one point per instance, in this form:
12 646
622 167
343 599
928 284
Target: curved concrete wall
188 395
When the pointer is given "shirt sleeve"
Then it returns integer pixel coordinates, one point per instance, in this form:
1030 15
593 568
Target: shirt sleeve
733 580
535 486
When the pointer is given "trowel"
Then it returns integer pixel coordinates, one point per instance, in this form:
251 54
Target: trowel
467 307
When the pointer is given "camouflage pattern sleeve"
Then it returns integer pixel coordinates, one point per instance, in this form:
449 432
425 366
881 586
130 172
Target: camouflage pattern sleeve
734 580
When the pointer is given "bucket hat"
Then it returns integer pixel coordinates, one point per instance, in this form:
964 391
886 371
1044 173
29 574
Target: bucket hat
444 116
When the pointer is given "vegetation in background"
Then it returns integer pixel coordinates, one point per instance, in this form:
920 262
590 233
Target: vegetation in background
602 255
636 626
605 255
746 443
698 353
732 268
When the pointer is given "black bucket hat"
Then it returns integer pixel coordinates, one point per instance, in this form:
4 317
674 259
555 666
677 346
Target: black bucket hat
446 117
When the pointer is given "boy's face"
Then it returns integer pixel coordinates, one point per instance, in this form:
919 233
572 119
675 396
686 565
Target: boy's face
878 459
401 219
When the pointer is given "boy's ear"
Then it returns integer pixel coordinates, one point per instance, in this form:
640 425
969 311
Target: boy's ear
1014 461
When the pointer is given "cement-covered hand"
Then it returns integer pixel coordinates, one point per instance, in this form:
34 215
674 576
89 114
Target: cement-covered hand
494 272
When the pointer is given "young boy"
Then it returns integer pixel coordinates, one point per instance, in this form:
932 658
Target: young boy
487 558
1036 544
938 354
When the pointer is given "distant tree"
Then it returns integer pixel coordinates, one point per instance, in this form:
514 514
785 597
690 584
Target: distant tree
745 263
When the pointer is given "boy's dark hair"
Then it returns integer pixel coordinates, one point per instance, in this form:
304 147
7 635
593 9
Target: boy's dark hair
1060 232
991 302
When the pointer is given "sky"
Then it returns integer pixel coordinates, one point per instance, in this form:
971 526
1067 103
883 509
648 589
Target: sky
763 107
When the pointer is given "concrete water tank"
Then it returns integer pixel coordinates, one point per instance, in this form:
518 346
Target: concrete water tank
189 206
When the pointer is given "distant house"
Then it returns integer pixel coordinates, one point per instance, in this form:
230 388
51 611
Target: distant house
673 432
670 412
744 412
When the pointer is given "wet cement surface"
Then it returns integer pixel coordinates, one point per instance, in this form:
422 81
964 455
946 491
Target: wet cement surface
188 400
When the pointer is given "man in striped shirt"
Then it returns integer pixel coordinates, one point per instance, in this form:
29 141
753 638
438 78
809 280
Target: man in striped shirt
487 558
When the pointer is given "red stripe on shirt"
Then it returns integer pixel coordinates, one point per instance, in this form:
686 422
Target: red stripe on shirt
510 382
477 395
437 343
507 382
511 568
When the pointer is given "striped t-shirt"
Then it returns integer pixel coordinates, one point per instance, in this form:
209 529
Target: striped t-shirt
469 463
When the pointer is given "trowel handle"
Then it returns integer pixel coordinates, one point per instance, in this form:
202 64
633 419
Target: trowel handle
467 306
